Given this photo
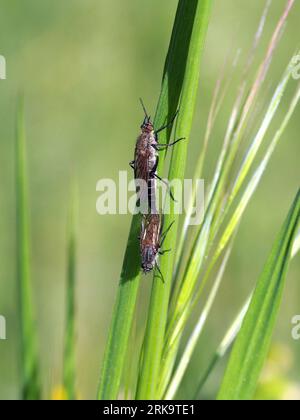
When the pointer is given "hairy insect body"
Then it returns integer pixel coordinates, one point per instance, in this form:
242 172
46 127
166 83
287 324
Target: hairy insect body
145 164
145 156
150 241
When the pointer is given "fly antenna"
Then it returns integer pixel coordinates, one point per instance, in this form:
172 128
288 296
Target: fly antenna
144 108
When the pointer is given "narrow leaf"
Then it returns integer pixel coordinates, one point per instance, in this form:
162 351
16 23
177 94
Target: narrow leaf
29 366
195 18
173 76
253 342
69 375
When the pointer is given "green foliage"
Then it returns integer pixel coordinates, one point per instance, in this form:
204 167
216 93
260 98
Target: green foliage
174 78
29 366
69 365
253 341
193 272
196 21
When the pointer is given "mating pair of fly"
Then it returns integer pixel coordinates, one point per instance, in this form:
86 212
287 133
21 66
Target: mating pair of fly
145 165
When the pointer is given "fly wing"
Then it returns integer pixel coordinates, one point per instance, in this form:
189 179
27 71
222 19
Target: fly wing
141 167
153 230
141 171
156 230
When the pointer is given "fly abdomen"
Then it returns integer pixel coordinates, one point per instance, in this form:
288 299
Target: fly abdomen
152 196
149 241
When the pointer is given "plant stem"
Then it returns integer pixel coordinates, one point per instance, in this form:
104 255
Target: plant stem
29 369
123 312
69 366
196 16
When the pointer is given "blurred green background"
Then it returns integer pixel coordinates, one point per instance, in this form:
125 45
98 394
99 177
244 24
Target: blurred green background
82 66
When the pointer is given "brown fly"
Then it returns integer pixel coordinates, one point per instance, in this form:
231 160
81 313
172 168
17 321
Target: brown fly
151 242
146 158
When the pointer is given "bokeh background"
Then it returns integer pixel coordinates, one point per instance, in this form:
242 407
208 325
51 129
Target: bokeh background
82 66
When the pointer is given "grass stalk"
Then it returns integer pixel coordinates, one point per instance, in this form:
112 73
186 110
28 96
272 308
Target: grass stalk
159 301
224 346
173 76
233 330
29 365
232 225
253 342
69 363
194 338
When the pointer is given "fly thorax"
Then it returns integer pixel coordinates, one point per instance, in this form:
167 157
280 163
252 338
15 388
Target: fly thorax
148 258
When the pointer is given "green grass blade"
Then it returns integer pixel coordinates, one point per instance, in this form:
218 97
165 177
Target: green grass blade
225 344
196 17
198 174
194 338
29 366
296 246
222 174
258 140
116 346
231 225
254 181
234 329
217 101
123 311
252 344
69 364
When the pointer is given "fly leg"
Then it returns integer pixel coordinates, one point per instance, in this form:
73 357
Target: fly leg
153 174
164 235
132 163
165 251
142 230
159 270
151 188
167 185
159 147
167 125
154 169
